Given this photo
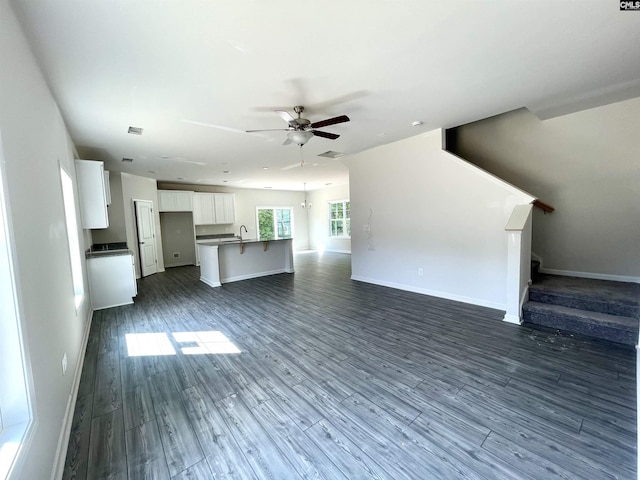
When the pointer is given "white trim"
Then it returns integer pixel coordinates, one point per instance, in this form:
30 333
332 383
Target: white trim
595 276
67 421
433 293
210 283
515 319
337 251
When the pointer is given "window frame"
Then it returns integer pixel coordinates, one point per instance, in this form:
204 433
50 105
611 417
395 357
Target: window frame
344 218
73 236
17 420
274 208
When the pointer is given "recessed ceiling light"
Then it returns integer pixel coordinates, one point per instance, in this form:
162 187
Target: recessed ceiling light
135 130
417 123
225 181
265 168
327 184
225 171
180 178
127 159
164 156
150 171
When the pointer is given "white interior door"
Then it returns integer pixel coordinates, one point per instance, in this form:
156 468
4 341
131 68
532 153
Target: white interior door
146 237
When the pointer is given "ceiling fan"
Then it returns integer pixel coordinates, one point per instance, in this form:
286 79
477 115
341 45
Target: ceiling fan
301 129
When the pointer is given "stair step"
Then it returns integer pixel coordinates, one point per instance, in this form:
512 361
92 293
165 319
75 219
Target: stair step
615 328
614 298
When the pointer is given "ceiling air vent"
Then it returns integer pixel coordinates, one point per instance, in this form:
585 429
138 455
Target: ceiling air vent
135 130
127 160
331 154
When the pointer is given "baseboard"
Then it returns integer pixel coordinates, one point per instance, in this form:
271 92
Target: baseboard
348 252
515 319
595 276
210 283
65 433
433 293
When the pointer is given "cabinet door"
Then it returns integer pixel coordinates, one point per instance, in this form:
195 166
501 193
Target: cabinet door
203 209
225 208
183 202
167 201
174 201
92 194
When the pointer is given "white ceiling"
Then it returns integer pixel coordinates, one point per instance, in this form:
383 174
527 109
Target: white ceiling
385 63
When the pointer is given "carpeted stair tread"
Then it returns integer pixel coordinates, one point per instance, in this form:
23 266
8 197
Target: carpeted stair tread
615 328
615 298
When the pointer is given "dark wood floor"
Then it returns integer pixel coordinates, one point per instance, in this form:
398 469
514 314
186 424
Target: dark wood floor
340 379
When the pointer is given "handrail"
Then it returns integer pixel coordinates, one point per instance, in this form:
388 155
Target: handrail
543 206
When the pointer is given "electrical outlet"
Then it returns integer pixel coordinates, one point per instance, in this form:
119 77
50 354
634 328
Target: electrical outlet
176 255
420 272
366 228
64 364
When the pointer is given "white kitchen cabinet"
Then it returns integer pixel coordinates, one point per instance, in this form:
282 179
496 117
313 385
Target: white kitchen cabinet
213 208
204 212
225 208
112 280
175 201
107 187
92 194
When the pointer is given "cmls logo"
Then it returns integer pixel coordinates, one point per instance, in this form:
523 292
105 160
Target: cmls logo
627 5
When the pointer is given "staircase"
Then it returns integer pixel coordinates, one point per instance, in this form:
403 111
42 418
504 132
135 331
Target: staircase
595 308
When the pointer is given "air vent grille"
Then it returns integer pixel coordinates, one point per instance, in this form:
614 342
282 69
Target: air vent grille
331 154
127 160
135 130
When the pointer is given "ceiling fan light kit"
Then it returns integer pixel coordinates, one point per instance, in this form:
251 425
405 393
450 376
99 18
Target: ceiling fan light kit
301 129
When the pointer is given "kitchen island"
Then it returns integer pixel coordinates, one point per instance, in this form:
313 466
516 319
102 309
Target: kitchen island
224 261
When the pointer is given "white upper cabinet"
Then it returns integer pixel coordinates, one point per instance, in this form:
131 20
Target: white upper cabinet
213 208
107 187
175 201
92 194
225 208
204 212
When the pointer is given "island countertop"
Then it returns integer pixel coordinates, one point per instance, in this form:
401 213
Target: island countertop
236 240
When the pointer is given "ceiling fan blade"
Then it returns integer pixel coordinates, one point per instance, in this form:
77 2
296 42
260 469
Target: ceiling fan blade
286 116
287 141
318 133
270 130
330 121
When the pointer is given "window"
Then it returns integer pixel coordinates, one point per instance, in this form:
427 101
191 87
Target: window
15 410
340 218
275 223
72 236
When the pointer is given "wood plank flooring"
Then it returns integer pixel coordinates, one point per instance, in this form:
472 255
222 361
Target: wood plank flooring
340 379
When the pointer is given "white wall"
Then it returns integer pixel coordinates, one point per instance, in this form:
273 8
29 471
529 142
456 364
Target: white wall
35 142
246 202
428 209
586 165
140 188
177 238
319 230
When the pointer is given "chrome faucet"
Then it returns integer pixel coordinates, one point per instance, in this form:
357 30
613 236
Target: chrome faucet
245 230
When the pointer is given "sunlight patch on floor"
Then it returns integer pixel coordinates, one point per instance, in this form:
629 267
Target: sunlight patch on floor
210 342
